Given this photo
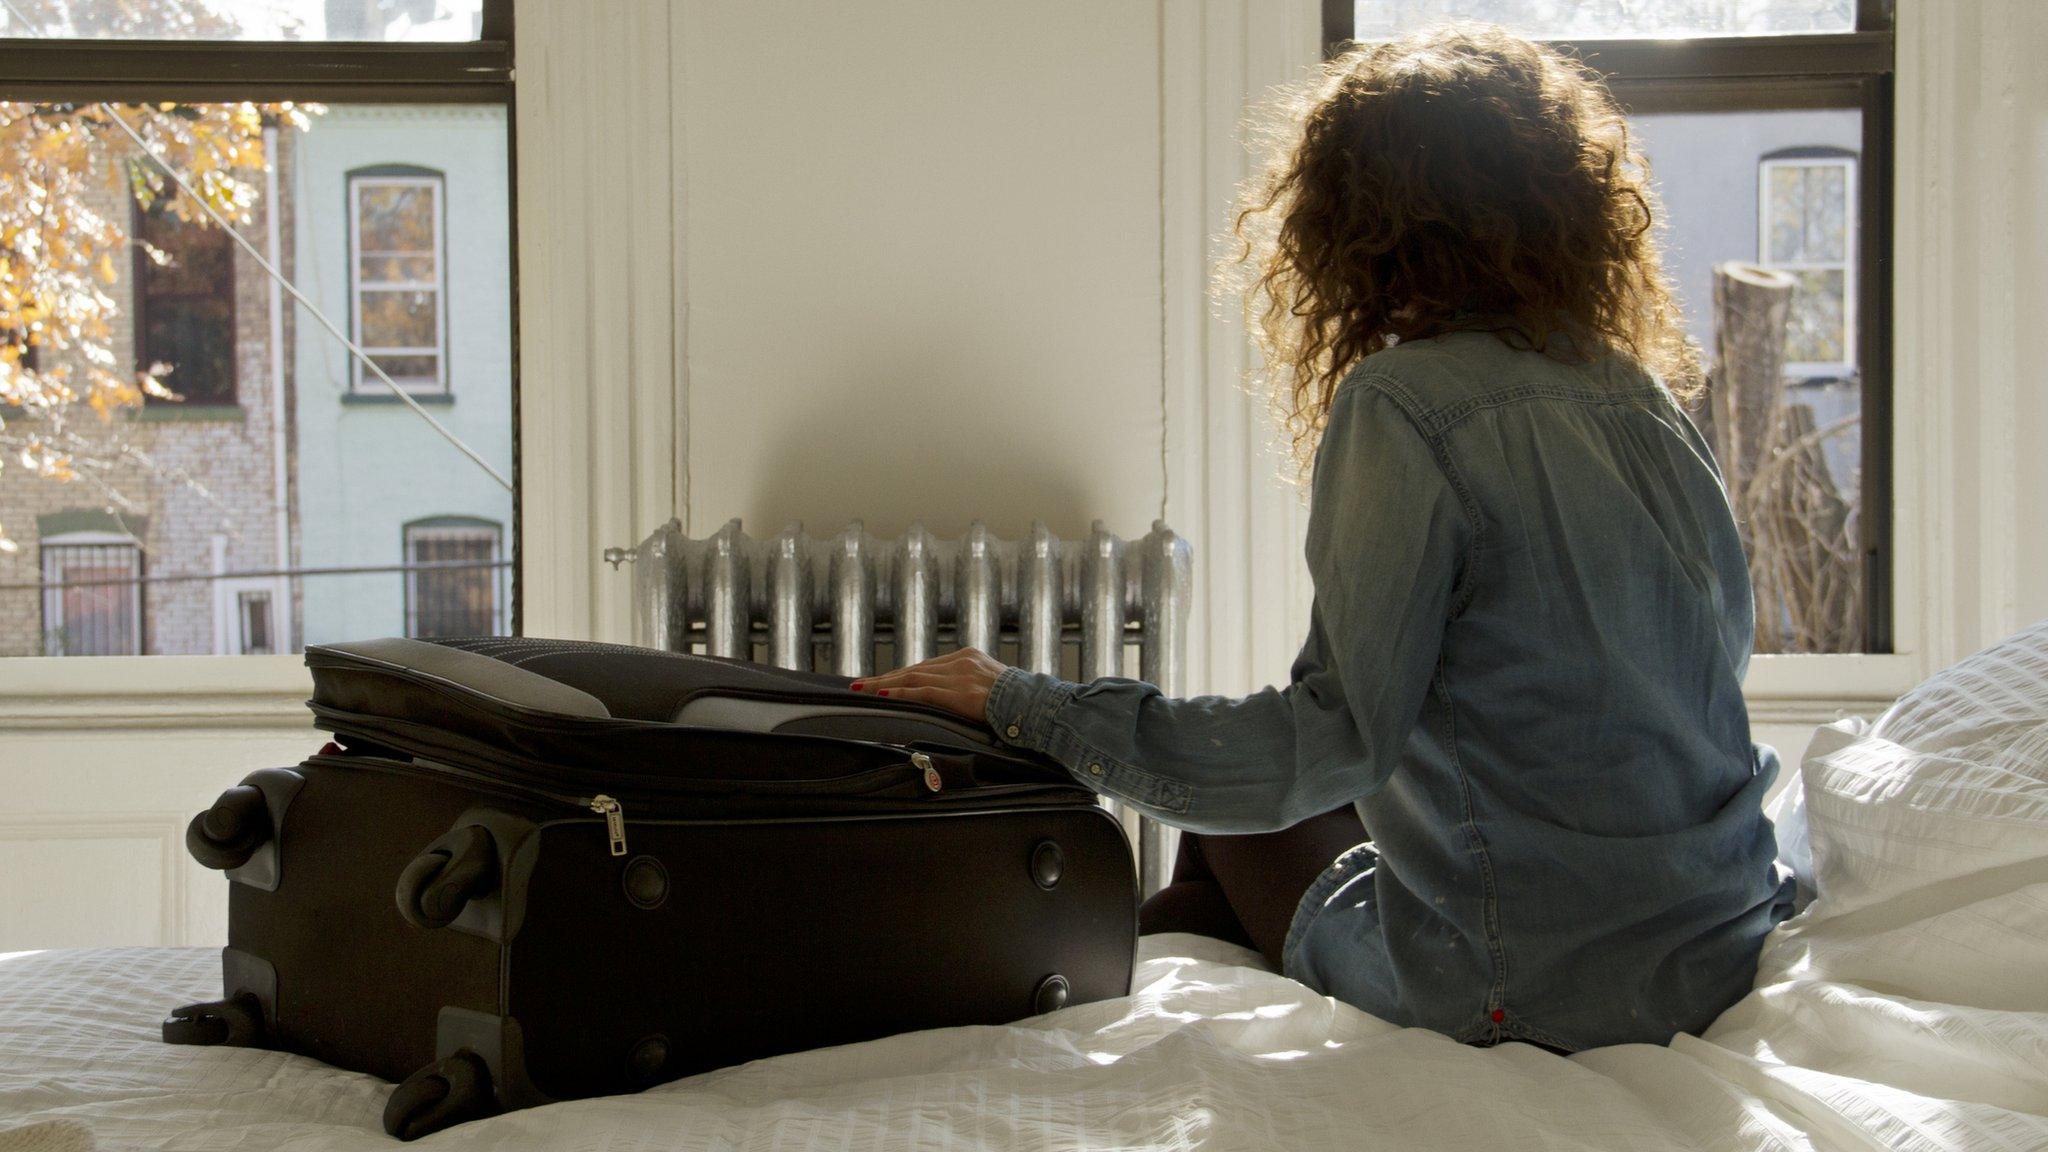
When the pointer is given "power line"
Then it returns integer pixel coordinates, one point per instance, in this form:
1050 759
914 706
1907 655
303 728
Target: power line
256 574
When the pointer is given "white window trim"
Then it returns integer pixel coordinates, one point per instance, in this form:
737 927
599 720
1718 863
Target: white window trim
227 610
357 285
1817 369
53 598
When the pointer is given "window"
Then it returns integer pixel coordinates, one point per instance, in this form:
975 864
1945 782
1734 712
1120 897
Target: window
1807 229
252 620
92 594
245 612
455 574
185 305
397 291
380 21
162 184
1574 20
1767 125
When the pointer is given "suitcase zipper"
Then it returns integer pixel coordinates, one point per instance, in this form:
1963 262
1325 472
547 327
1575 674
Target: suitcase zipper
605 805
614 815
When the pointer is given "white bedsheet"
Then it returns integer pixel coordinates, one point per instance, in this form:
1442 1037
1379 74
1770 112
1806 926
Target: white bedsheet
1906 1007
1211 1052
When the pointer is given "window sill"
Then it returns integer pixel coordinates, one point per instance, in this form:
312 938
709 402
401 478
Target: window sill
173 412
97 693
1822 689
386 399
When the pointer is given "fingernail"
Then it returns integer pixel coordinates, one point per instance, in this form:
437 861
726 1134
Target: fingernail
855 685
882 692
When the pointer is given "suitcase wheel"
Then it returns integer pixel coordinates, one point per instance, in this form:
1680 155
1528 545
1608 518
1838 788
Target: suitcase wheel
441 1095
227 834
1051 995
438 883
236 1022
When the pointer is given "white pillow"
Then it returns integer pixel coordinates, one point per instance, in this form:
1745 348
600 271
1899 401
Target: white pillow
1951 781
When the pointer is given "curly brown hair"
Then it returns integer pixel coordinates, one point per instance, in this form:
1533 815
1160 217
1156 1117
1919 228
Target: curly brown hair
1457 179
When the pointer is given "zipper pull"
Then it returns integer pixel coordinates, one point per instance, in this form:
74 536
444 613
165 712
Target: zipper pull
614 821
923 763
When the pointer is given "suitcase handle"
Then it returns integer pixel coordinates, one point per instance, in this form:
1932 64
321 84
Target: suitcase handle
439 882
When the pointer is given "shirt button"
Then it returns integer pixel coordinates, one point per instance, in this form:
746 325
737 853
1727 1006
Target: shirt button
1095 769
1013 731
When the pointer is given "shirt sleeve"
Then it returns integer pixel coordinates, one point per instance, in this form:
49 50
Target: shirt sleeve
1387 536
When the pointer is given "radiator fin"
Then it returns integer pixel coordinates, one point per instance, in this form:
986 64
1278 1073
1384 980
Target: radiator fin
825 603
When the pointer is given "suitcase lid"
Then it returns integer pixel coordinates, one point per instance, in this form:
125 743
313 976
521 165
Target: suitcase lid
568 709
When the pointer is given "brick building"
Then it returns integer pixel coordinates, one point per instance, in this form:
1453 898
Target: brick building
120 560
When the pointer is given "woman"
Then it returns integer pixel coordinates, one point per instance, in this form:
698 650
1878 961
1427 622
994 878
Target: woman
1532 611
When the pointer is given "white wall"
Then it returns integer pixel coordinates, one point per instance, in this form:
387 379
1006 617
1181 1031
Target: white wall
923 263
103 760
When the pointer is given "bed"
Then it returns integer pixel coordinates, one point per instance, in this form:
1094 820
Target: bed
1905 1007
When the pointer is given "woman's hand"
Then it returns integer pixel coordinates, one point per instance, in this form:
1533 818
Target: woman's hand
958 682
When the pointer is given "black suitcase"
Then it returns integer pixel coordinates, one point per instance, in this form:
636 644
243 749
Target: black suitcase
534 870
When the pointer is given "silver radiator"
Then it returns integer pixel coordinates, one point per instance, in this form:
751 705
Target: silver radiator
835 603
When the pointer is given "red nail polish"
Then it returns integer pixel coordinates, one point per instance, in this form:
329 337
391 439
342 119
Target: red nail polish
855 685
882 692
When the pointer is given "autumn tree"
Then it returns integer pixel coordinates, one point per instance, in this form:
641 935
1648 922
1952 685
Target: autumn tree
60 252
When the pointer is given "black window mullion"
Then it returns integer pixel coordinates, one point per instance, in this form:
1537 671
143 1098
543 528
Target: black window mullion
1650 96
196 71
1339 22
1874 270
1845 54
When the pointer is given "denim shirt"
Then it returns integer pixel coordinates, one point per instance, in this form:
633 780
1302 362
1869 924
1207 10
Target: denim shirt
1524 666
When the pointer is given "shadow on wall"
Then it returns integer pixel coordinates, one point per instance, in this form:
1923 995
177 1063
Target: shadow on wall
889 452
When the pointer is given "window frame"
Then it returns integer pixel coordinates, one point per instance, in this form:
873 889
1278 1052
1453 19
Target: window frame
1808 158
53 591
398 175
1845 70
138 312
335 72
450 524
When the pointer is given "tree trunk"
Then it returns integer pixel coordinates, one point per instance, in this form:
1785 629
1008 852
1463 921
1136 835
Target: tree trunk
1750 309
1798 529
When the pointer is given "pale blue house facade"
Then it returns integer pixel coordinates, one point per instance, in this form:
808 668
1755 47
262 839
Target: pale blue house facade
401 219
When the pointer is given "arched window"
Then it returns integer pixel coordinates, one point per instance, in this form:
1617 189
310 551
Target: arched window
398 308
455 577
92 586
1806 227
